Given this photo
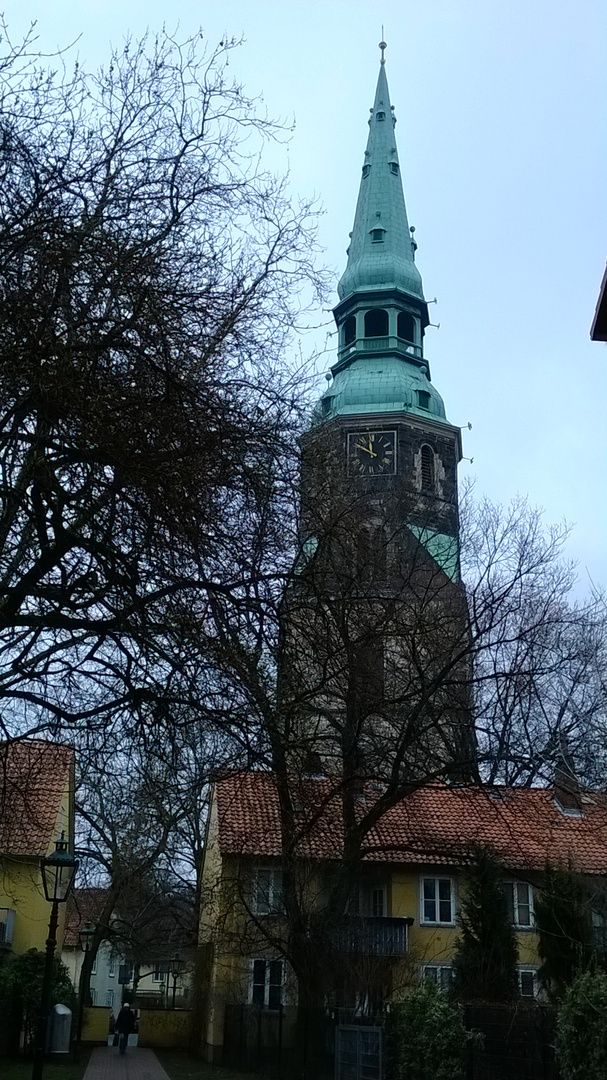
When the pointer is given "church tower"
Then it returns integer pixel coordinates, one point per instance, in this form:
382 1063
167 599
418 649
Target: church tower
376 625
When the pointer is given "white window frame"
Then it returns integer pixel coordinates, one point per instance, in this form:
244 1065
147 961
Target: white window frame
526 969
518 902
267 985
7 926
109 999
111 966
364 901
94 965
93 994
272 902
437 900
158 975
441 974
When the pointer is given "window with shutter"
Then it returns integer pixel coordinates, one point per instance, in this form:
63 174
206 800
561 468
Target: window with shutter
427 468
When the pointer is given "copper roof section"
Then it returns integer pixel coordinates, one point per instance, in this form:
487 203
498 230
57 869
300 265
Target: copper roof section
436 824
34 776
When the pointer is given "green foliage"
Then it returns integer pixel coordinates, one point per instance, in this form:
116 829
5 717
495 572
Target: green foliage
428 1037
564 922
486 951
581 1039
22 983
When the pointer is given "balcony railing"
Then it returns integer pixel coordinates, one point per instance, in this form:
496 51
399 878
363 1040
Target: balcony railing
374 935
380 344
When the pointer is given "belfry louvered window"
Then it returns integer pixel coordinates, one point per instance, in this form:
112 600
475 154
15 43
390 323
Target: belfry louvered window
427 468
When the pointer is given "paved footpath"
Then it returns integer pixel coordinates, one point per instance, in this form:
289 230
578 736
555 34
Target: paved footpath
137 1064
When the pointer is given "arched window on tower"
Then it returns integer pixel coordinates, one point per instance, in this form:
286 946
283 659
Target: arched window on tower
376 323
349 329
406 326
427 468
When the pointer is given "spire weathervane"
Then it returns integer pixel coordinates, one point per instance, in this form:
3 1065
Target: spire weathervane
382 46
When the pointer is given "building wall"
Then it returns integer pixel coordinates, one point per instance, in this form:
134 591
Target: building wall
104 980
21 889
21 886
235 944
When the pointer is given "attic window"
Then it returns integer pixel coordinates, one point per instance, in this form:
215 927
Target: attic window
380 116
423 399
569 810
366 170
394 168
377 235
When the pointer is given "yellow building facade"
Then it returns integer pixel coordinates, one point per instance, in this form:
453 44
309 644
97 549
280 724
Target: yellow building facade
400 925
38 809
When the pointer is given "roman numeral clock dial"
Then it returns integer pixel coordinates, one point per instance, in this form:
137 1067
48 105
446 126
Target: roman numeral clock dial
371 453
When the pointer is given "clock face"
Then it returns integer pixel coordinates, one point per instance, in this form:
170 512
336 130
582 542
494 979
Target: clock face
371 453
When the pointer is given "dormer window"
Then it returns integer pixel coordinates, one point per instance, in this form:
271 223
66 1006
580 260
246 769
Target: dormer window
366 170
394 168
423 399
380 116
377 235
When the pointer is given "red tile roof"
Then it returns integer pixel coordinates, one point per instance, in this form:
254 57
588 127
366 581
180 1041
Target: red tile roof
83 906
33 778
437 824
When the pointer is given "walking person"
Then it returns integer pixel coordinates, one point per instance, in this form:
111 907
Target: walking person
125 1025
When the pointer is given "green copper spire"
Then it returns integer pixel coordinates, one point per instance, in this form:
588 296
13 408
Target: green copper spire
381 252
382 314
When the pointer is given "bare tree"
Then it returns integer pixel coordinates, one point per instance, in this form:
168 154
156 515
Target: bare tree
150 279
394 674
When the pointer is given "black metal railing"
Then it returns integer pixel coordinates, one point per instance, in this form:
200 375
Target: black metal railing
374 935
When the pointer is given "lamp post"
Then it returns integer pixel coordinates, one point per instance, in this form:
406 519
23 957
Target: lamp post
175 966
58 872
86 939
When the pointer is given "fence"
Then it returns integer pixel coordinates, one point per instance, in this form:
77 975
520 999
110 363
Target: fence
324 1044
517 1042
273 1042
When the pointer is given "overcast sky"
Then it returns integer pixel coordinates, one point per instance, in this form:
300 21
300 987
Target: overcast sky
502 114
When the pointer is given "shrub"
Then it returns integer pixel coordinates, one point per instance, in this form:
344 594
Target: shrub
581 1038
428 1037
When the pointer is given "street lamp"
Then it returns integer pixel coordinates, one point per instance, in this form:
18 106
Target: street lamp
175 967
58 872
86 938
